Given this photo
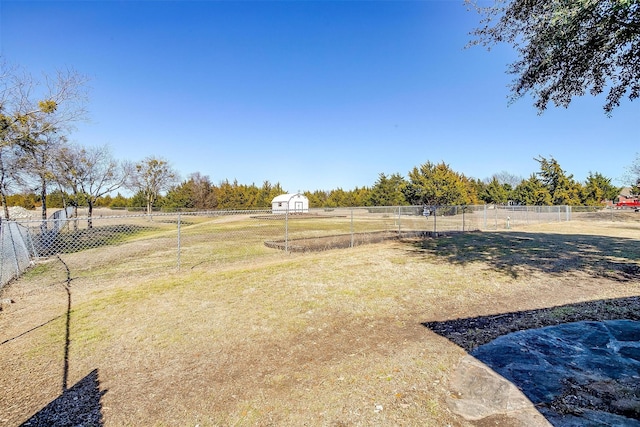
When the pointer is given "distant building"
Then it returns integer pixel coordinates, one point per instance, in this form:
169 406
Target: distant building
626 199
295 203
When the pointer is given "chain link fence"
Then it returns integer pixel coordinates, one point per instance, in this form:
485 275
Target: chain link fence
189 240
17 250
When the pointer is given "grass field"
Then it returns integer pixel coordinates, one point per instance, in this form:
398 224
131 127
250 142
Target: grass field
334 338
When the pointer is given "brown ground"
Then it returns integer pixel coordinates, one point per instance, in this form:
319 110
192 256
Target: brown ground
361 336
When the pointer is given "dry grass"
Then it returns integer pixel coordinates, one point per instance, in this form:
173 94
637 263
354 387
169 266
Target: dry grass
264 338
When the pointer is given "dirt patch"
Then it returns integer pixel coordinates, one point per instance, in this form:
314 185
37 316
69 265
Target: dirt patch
341 241
296 215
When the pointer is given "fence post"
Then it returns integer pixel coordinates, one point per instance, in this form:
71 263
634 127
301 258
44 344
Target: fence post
179 241
352 231
435 226
485 217
15 251
286 230
2 254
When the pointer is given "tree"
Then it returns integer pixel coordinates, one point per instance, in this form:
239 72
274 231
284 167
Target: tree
317 198
508 178
151 176
531 192
67 175
567 48
203 196
231 195
267 193
597 189
564 190
33 112
632 175
361 196
197 192
437 185
119 202
38 162
27 201
179 196
495 192
9 175
91 173
387 191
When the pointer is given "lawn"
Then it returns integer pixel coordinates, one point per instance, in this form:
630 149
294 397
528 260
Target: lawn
361 336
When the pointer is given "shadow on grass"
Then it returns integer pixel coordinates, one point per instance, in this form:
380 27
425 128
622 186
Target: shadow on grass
79 405
30 330
521 253
517 253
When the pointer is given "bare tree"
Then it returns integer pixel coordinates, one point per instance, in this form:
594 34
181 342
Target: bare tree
66 175
9 175
37 162
35 112
151 176
91 173
632 175
505 177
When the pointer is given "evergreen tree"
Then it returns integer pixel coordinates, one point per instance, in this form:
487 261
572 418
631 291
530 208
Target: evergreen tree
318 198
531 192
597 189
564 190
119 201
179 196
437 185
387 191
495 193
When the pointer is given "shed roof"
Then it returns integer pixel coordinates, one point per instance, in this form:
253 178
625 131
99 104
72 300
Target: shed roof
287 197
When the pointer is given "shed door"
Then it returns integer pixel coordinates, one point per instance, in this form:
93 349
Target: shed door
298 207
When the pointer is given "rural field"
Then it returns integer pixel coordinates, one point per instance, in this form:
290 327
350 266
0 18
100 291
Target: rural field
246 335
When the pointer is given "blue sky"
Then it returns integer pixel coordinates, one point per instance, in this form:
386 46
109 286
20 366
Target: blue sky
311 94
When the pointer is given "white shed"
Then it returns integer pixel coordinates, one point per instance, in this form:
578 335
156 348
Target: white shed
296 203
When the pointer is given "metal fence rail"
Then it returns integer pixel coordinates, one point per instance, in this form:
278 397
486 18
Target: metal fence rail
187 240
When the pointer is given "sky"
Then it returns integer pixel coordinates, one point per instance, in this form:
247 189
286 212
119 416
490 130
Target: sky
314 95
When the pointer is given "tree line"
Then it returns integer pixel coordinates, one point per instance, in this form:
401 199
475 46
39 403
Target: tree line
39 168
431 184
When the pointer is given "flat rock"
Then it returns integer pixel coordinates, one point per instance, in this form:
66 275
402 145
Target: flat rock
477 392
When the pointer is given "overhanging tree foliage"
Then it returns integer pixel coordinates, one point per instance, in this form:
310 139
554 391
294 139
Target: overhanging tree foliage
567 48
